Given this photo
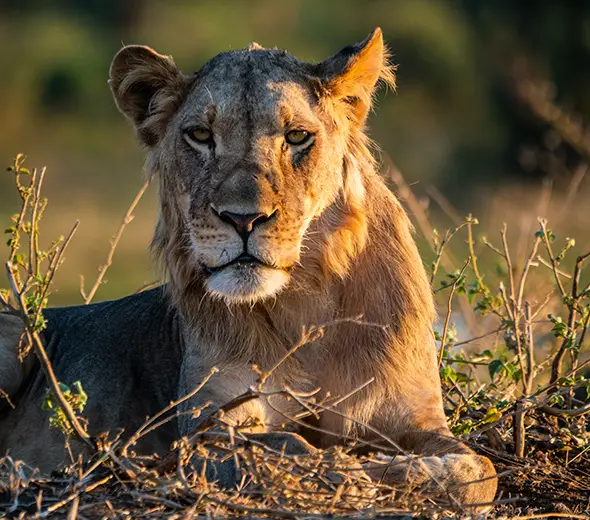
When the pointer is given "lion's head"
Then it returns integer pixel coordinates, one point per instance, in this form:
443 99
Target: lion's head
255 155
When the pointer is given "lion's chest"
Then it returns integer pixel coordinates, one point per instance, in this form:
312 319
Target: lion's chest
273 387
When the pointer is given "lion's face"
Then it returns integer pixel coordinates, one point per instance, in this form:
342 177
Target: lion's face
256 161
250 151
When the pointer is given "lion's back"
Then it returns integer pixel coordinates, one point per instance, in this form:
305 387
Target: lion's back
127 355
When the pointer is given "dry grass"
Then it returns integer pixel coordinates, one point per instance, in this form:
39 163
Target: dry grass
274 485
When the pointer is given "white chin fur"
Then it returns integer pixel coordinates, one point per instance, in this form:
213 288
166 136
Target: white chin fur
246 283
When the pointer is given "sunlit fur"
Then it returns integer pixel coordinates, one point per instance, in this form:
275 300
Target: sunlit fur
340 247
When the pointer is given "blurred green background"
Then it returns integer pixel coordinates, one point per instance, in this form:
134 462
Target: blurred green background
456 126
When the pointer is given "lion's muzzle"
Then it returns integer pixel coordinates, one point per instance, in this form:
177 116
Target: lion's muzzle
245 271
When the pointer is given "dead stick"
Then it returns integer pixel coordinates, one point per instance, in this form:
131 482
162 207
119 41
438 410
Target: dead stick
519 431
128 217
448 316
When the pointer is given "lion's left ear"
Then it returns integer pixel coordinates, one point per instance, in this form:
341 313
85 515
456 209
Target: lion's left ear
352 75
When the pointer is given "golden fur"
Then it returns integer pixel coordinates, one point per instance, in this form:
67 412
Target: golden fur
356 257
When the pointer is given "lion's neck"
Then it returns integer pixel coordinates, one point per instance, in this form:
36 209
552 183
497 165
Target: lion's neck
384 284
260 334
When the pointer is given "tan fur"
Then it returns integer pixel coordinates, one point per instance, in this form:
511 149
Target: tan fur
332 244
356 256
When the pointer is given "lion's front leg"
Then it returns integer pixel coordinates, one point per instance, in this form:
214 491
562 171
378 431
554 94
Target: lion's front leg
207 417
430 459
220 389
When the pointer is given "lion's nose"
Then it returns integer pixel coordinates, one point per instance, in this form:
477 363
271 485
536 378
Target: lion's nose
245 223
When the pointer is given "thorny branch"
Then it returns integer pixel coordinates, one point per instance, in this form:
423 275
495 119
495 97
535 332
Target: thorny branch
30 286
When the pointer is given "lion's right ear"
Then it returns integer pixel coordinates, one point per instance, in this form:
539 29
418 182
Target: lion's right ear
148 88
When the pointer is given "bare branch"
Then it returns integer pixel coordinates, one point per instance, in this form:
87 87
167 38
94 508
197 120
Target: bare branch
127 218
443 338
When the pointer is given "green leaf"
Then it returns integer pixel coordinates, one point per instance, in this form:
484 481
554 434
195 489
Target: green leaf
462 378
463 427
492 415
448 374
495 366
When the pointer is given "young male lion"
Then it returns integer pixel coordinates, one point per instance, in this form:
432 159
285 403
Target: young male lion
273 218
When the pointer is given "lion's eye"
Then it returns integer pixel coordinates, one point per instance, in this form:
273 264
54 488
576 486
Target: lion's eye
298 137
200 135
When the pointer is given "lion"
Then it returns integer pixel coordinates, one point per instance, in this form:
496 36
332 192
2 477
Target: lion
273 218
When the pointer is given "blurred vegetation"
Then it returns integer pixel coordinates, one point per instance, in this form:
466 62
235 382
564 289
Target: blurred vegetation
456 122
